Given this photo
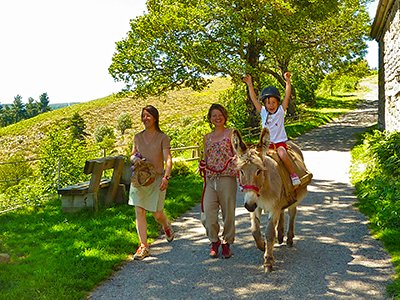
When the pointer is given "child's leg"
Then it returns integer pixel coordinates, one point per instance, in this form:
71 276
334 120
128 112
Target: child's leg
284 156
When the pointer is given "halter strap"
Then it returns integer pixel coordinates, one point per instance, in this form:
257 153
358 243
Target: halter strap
250 187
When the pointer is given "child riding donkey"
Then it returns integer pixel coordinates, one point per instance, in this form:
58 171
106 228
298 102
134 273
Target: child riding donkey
272 117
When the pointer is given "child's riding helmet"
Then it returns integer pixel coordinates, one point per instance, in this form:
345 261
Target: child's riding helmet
270 91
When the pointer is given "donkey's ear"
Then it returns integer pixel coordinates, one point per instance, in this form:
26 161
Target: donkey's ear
237 143
264 142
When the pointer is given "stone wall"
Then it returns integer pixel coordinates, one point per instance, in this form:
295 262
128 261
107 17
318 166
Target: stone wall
389 73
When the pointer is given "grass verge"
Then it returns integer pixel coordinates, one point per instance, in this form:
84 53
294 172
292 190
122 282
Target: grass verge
375 172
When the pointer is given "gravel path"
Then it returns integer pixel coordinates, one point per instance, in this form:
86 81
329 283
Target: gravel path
334 255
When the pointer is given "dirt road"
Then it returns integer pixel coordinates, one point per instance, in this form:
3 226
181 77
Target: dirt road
334 256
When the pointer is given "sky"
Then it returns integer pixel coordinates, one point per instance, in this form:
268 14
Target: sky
64 48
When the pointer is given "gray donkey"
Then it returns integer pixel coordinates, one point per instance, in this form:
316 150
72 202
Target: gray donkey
266 185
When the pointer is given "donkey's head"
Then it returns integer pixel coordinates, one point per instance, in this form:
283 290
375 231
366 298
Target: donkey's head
250 163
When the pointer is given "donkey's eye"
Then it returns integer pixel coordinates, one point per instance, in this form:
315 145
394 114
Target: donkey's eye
258 172
241 172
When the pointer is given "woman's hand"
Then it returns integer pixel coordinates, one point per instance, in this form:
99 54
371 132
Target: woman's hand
164 184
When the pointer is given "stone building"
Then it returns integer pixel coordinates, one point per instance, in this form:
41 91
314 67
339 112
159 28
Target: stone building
386 31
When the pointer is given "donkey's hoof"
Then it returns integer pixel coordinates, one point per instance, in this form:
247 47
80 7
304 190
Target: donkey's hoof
268 269
289 243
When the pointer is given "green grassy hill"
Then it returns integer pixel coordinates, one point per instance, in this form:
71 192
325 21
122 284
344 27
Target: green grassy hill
24 137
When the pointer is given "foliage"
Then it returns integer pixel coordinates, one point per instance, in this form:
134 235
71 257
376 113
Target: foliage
27 192
346 78
178 42
240 116
187 131
13 171
375 173
104 136
63 158
18 111
181 168
124 122
77 126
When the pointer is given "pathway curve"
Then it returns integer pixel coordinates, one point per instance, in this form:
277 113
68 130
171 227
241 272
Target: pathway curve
334 255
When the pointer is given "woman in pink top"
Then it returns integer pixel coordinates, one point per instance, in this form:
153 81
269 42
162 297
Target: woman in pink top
154 146
220 183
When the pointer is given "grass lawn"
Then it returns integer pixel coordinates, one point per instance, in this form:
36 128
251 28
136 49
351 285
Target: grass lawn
55 255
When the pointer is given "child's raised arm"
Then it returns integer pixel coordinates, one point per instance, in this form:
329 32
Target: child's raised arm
288 91
249 82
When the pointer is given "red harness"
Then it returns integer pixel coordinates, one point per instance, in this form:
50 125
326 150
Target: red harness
250 187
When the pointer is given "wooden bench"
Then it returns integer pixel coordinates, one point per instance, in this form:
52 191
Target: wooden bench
98 191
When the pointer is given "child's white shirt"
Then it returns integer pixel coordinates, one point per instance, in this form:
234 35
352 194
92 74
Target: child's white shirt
275 124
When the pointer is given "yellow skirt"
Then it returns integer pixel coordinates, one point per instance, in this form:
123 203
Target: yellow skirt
148 197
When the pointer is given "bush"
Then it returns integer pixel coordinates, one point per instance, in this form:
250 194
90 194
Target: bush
105 138
63 159
16 169
124 122
375 173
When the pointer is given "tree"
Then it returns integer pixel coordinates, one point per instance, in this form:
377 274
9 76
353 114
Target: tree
63 158
18 109
32 108
124 122
6 116
105 138
179 42
77 126
44 103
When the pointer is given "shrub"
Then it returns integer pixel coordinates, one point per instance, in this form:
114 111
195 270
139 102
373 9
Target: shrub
375 173
105 138
124 122
63 158
16 169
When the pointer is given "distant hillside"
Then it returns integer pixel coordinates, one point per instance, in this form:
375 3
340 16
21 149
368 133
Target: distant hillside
61 105
24 137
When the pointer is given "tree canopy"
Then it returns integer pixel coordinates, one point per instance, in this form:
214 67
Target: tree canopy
181 43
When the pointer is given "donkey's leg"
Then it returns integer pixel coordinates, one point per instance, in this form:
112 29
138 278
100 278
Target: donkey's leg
292 219
270 240
281 227
255 229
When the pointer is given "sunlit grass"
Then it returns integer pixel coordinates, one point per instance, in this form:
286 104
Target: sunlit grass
55 255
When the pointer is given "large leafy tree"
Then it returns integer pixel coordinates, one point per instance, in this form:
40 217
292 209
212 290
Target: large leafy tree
179 43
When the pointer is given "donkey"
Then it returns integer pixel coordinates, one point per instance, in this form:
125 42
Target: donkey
266 186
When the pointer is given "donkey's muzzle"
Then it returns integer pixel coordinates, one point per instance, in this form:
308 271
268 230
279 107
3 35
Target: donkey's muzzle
250 208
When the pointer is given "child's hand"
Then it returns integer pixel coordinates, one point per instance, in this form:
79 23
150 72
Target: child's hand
287 76
247 79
